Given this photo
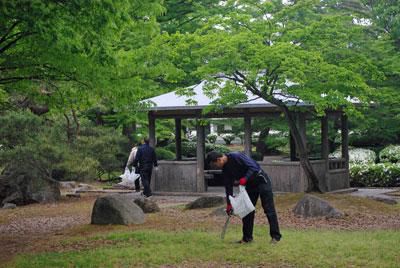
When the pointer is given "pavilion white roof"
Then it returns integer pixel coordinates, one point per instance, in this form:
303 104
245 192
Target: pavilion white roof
174 101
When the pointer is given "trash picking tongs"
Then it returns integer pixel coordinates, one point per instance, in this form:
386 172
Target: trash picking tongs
225 227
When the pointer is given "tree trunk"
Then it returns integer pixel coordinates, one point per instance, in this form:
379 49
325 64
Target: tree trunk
77 125
313 182
261 147
69 129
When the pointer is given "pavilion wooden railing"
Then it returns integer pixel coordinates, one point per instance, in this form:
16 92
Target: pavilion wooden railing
338 163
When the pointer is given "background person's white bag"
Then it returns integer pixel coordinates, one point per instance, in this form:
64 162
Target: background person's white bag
134 176
241 203
128 178
126 175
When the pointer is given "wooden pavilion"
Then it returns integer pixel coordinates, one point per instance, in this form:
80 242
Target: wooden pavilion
287 175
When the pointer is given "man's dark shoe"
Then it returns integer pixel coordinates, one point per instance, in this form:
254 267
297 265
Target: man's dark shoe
274 241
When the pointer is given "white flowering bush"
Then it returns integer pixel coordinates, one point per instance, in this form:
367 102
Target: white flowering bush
357 155
212 137
390 154
228 138
375 175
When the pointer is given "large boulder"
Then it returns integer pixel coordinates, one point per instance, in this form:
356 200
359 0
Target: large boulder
312 206
147 205
206 202
117 209
20 187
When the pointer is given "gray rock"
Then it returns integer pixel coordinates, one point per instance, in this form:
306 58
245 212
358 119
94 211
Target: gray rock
21 187
147 205
73 195
206 202
312 206
9 206
386 200
68 185
116 209
219 212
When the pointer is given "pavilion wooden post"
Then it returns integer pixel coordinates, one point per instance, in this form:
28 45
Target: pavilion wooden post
345 139
247 134
324 139
152 129
200 187
178 139
152 142
325 151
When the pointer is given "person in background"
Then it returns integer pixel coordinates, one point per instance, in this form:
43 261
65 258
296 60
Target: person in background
144 161
131 158
238 168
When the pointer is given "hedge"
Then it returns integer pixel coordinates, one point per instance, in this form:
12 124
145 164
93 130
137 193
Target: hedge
375 175
390 154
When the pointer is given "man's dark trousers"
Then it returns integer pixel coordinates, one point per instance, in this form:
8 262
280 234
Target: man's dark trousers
137 185
146 178
262 187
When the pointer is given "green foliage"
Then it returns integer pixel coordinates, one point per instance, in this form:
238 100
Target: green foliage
189 148
164 154
375 175
18 128
390 154
42 146
198 248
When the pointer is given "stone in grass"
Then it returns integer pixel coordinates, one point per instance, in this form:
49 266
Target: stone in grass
206 202
219 212
9 206
147 205
312 206
116 209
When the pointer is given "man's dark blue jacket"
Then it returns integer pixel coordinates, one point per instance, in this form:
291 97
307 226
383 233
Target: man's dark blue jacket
146 157
239 166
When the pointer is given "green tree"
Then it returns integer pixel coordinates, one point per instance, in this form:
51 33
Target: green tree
305 51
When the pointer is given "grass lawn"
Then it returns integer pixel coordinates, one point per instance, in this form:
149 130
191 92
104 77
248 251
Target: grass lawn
199 248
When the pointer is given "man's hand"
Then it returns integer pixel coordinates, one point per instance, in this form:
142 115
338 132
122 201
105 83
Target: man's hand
243 181
229 209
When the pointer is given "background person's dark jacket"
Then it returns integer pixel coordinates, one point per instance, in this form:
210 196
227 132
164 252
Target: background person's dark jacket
145 158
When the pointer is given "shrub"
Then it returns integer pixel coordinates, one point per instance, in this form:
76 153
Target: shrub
228 138
212 137
357 155
78 168
164 154
189 148
274 142
390 153
217 147
375 175
17 128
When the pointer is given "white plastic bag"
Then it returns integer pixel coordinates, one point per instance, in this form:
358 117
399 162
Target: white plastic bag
241 203
128 178
134 176
126 175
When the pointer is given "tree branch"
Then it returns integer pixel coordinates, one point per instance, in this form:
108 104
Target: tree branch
9 31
